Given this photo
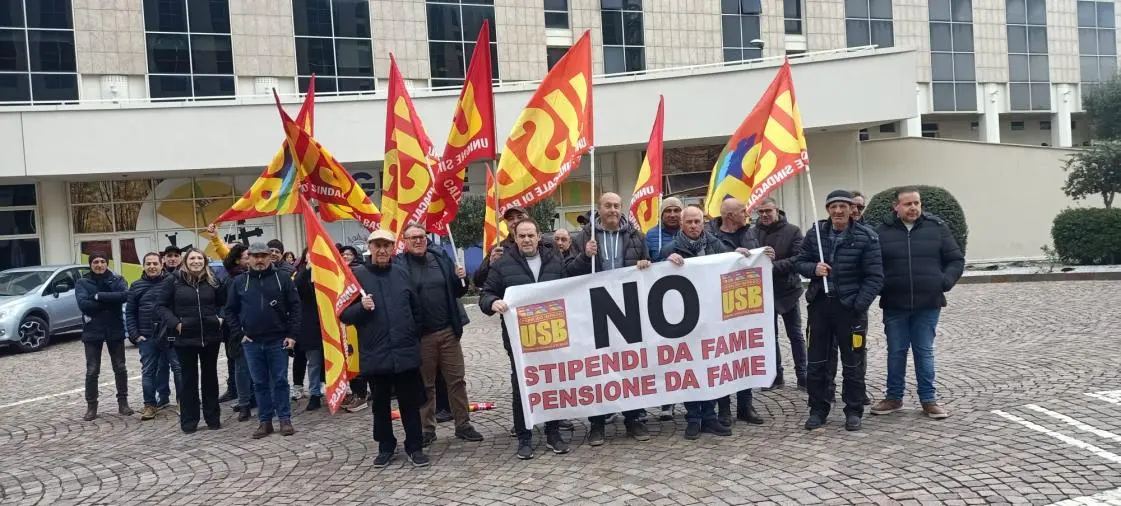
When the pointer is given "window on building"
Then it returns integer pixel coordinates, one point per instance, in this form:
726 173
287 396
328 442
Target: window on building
792 16
624 48
1044 125
19 234
869 22
453 27
930 130
1029 76
740 20
887 128
333 42
1016 126
37 52
954 78
556 13
1097 42
553 54
190 53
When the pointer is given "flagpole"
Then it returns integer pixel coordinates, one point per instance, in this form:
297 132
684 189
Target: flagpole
660 225
592 196
817 229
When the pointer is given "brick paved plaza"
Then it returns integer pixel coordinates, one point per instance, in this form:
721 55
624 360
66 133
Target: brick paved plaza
1016 365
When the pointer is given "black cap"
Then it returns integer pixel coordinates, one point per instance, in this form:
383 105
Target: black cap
171 249
94 255
839 196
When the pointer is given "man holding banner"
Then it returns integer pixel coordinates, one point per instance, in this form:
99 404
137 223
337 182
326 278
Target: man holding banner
844 281
528 263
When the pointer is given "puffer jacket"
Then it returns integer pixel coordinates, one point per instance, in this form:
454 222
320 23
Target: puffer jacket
310 334
630 242
746 239
786 239
263 305
652 240
857 273
480 276
197 306
513 270
141 313
920 264
388 336
455 288
100 297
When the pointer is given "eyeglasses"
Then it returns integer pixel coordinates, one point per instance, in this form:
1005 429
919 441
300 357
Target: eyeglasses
416 238
859 207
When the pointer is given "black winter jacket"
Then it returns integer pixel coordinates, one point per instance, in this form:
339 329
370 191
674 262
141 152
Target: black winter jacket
197 307
142 318
920 264
100 297
631 246
310 333
508 244
513 270
455 290
747 237
388 336
857 268
263 305
786 239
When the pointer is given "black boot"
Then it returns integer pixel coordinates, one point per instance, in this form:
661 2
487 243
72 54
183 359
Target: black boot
228 396
122 407
244 414
91 411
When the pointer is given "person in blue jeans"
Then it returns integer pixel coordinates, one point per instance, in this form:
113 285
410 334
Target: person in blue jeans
235 264
157 356
922 261
264 314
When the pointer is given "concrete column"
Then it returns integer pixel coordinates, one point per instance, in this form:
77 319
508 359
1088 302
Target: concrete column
912 127
627 164
992 104
54 220
291 233
1061 135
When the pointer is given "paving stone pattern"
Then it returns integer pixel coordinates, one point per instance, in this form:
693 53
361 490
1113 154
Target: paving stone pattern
1000 347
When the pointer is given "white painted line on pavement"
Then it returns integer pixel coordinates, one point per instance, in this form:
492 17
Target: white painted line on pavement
70 392
1085 427
1077 443
1110 396
1102 498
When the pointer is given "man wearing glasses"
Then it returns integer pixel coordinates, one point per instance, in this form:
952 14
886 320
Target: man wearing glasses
857 206
785 239
438 284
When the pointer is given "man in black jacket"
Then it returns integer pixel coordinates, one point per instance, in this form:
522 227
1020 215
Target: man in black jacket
100 295
157 356
922 261
171 259
388 319
733 230
438 283
785 239
530 262
611 243
853 271
263 311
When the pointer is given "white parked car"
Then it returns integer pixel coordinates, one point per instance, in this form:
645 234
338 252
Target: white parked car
37 303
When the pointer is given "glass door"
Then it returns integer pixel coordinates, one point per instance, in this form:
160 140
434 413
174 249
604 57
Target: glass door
124 252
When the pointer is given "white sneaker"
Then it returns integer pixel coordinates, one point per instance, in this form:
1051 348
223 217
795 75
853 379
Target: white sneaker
297 392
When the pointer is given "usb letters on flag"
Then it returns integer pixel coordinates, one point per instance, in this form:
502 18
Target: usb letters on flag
406 179
335 288
766 150
471 138
646 202
553 131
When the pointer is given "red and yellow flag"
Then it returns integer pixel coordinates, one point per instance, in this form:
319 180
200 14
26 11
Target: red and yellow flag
275 191
553 131
494 228
312 157
406 176
335 289
647 197
471 138
767 149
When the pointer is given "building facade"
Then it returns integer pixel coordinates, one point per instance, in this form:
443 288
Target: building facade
131 123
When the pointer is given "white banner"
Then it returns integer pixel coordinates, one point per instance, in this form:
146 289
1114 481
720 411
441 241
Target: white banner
628 339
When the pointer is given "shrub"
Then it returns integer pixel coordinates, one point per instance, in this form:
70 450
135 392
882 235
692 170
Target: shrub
935 200
1087 236
468 223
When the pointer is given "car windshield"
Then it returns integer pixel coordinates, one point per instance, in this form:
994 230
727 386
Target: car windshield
13 284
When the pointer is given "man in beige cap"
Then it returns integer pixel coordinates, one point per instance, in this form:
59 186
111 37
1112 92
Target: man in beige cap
663 234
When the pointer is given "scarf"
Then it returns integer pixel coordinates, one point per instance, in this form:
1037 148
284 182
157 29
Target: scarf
701 246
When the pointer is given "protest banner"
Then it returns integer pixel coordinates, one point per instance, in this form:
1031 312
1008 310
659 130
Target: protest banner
628 339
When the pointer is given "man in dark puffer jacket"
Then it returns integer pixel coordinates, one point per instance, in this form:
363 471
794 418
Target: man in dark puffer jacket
388 318
530 262
157 356
838 320
100 295
922 261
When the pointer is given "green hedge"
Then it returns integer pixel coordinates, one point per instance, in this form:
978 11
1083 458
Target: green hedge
1088 236
935 200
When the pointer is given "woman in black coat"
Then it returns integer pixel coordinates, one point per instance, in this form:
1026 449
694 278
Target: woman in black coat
190 307
310 339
